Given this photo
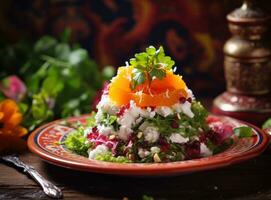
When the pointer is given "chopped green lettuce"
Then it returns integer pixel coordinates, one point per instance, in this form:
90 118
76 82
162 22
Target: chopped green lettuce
77 143
109 157
243 131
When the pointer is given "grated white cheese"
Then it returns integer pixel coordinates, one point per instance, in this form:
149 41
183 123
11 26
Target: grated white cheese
105 130
186 108
164 111
143 153
151 134
155 150
98 150
124 132
204 150
177 138
107 106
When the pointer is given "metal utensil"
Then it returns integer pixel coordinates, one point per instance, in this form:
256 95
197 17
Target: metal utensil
49 188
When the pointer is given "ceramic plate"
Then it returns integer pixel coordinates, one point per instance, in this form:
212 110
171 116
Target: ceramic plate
45 143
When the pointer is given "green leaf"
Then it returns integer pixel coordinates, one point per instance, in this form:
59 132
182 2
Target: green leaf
39 108
137 79
158 73
76 142
108 72
267 124
112 119
152 63
109 157
23 107
45 44
52 85
2 96
151 50
65 36
243 131
77 56
90 121
62 51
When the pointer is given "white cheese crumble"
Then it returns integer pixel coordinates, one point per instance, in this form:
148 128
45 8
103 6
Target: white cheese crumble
190 94
177 138
183 108
105 130
164 111
130 115
151 134
155 150
87 131
144 125
204 150
124 132
99 116
143 153
107 106
98 150
186 108
134 115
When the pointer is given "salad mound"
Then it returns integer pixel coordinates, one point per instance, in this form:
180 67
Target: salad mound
147 114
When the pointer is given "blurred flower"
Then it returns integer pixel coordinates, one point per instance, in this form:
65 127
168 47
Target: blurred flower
10 129
13 88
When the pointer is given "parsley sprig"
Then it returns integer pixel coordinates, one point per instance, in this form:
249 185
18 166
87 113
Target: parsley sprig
149 65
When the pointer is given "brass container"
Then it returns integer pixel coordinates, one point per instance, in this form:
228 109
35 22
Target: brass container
247 66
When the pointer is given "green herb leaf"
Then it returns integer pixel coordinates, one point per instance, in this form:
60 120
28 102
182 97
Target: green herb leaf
267 124
243 131
45 44
149 65
138 78
158 73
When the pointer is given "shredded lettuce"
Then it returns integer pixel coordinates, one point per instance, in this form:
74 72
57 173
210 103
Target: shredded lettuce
77 143
109 157
243 131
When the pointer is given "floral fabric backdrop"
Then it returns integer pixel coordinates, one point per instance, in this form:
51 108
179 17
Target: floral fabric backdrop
192 31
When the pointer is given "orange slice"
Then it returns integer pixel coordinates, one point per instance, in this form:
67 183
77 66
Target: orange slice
165 92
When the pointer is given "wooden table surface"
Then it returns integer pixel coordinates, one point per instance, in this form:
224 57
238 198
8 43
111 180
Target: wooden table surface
250 180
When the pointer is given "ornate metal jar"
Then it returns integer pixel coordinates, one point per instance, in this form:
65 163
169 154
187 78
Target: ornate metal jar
247 66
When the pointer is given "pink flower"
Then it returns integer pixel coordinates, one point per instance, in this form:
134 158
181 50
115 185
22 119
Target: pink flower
13 88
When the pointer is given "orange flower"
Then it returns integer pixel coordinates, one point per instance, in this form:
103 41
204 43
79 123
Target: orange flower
10 129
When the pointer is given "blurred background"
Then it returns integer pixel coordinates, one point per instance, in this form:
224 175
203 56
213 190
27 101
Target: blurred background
192 31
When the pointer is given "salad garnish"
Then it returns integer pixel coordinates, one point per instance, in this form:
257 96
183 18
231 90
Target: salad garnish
147 114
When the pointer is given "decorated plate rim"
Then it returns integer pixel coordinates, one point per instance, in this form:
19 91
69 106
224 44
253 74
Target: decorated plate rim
179 167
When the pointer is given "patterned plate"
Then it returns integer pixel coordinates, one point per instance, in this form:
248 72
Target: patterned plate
45 143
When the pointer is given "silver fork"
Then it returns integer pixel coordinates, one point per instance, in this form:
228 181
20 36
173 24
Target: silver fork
49 188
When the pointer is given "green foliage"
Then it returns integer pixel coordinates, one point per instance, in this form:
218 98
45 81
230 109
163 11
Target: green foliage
60 77
149 65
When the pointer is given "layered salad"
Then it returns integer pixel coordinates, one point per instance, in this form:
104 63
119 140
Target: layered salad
148 114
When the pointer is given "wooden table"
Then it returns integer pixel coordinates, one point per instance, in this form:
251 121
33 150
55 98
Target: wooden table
250 180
